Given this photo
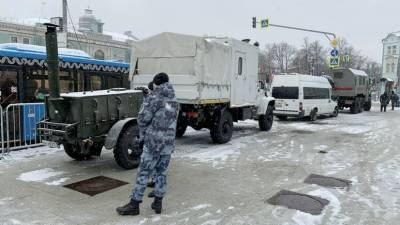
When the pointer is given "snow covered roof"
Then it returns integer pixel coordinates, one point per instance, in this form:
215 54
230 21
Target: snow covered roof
120 37
22 54
42 49
25 21
358 72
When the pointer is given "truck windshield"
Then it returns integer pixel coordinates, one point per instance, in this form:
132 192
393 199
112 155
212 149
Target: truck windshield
285 92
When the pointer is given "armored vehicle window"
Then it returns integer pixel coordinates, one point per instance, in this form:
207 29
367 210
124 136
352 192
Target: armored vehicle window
316 93
285 92
240 66
338 75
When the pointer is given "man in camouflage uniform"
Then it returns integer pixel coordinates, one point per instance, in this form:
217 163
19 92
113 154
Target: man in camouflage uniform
157 124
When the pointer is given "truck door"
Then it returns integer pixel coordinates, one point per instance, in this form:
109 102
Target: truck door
239 88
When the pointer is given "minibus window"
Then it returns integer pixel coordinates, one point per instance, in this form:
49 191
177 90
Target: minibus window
285 92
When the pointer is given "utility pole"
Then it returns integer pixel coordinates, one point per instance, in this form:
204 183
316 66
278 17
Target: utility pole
65 16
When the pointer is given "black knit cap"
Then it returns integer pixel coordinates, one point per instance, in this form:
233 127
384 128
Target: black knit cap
160 78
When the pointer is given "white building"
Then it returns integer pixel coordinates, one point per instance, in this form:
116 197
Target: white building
89 36
390 60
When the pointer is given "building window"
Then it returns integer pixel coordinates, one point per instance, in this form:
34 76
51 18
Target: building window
99 54
14 39
387 67
389 50
394 49
393 67
240 66
26 41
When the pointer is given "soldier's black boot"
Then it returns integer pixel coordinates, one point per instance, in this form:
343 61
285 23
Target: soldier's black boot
132 208
157 205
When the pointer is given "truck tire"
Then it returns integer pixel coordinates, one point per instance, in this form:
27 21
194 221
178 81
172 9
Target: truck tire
354 108
127 151
181 126
367 106
222 128
265 121
75 152
314 115
282 118
361 105
180 130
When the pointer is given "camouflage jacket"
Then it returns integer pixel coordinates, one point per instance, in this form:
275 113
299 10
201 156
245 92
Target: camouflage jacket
157 119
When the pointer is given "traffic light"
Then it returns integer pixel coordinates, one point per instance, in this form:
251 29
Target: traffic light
254 22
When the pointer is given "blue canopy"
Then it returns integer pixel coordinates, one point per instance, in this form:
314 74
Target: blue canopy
21 54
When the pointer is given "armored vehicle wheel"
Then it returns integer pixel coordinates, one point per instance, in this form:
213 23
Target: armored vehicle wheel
367 106
222 128
127 151
265 121
75 152
313 115
282 117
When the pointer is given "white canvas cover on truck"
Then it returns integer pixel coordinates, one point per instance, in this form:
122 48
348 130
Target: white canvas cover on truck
200 68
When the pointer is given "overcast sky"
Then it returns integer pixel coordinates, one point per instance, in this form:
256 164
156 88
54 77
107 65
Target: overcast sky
364 23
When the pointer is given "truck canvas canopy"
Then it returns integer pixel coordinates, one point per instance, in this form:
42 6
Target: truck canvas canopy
176 54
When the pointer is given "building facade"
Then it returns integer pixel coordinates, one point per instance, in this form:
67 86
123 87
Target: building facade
390 61
89 36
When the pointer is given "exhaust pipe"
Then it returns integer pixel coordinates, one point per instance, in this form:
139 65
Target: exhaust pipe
52 60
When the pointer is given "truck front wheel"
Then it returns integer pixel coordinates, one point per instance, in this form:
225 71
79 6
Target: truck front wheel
222 128
265 121
127 152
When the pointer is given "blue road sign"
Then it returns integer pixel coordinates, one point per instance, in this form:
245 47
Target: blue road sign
334 53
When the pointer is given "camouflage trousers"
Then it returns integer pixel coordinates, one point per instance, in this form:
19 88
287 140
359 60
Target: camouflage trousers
151 164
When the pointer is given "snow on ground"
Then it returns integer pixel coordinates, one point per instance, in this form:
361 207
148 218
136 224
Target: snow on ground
29 154
43 175
361 148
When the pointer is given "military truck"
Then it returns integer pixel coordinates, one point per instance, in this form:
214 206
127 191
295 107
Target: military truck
352 89
215 80
84 122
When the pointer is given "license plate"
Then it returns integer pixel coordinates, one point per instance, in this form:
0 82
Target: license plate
51 144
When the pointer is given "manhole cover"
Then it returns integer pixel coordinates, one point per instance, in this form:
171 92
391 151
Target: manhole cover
327 181
293 200
95 185
302 131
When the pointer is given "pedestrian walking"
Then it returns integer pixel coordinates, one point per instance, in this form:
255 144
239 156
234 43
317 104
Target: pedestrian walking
157 119
384 99
394 98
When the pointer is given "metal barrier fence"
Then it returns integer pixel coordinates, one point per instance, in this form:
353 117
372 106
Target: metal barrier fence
19 126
